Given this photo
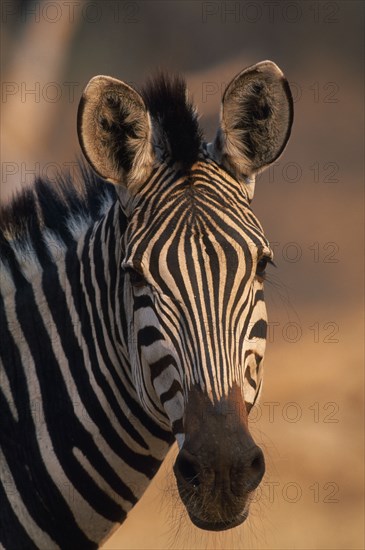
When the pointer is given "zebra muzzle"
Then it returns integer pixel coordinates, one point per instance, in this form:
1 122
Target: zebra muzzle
218 466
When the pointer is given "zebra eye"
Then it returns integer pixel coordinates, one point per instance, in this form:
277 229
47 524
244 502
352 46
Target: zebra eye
261 266
136 278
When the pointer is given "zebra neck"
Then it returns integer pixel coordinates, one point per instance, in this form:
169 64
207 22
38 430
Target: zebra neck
99 285
77 443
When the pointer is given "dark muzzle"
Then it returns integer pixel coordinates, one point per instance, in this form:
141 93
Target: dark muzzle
219 465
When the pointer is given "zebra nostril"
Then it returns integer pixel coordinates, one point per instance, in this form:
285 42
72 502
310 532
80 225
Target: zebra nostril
187 467
256 463
257 466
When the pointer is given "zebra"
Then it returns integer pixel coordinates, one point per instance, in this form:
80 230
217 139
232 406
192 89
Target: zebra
132 313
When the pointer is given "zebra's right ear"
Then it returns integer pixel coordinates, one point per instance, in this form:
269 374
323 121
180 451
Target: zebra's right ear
114 131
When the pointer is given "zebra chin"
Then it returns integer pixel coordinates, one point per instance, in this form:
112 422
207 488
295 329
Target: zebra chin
219 525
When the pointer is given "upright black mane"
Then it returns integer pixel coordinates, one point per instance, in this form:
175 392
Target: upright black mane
166 99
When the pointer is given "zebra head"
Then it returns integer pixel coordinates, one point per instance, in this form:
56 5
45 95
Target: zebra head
194 258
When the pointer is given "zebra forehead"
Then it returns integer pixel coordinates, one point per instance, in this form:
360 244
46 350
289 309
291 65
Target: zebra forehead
200 209
203 187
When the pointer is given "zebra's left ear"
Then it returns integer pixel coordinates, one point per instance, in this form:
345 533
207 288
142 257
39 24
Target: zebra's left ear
114 131
256 119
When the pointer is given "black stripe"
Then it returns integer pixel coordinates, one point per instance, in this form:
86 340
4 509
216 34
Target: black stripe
258 359
54 211
257 393
259 296
160 365
215 327
148 336
171 392
141 302
249 378
259 329
247 321
13 536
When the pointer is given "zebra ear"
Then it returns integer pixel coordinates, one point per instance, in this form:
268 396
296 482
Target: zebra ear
256 118
114 131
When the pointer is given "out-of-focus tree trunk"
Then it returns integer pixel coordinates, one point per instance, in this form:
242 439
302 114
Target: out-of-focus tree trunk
32 85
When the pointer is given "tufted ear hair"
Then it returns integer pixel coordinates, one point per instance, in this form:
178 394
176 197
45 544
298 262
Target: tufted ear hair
256 119
114 130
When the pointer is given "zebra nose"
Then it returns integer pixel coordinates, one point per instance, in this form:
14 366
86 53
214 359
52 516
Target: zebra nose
242 473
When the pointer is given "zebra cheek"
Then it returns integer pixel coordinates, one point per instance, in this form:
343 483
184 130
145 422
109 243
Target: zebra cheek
169 392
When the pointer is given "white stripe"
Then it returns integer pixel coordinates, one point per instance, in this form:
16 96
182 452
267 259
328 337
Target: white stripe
6 281
5 388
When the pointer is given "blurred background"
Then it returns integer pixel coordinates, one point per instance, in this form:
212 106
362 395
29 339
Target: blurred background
310 419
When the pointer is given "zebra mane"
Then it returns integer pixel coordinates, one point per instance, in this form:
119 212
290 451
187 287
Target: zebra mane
59 207
176 118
